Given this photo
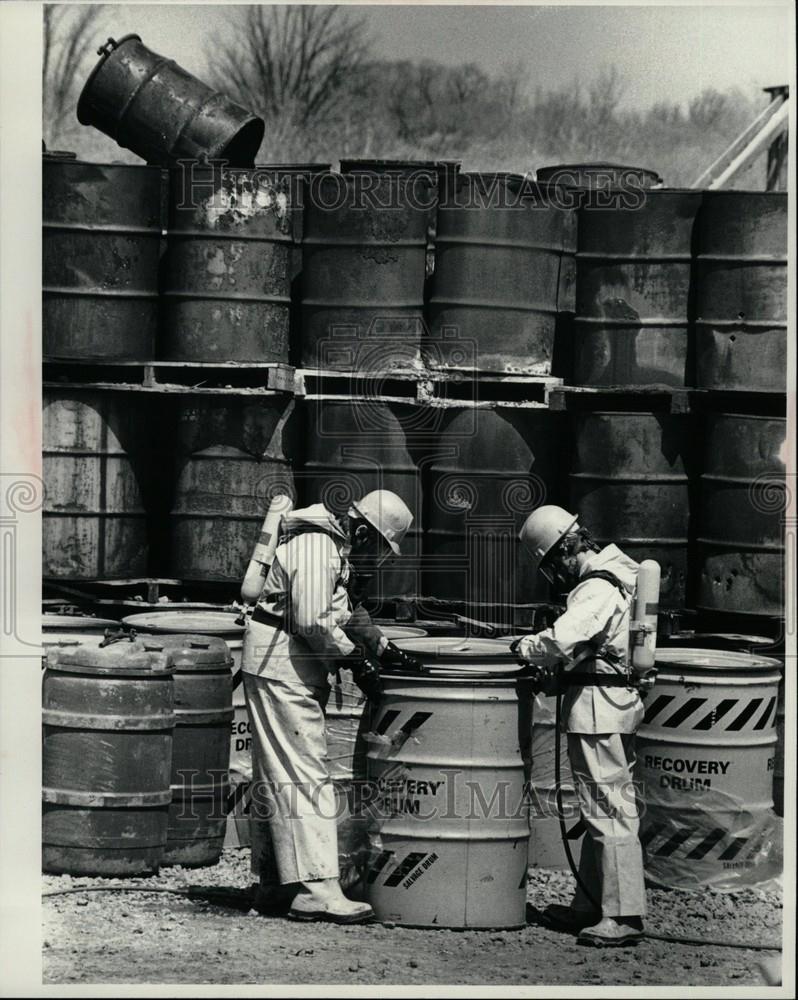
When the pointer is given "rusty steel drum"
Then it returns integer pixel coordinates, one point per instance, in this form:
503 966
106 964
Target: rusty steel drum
493 468
447 754
364 265
100 246
355 446
442 173
230 461
633 284
741 512
593 178
502 248
108 722
741 321
629 485
705 762
95 468
397 167
152 106
297 177
200 751
226 285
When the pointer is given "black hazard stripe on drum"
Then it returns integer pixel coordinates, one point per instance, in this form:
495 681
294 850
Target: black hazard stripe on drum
240 796
416 721
404 868
737 712
378 864
386 721
718 844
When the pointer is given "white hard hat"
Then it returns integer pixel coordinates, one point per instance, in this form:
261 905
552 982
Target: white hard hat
543 529
387 512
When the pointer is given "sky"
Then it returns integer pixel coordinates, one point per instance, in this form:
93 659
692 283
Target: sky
665 52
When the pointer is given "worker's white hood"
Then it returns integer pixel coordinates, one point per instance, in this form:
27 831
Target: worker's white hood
612 560
313 518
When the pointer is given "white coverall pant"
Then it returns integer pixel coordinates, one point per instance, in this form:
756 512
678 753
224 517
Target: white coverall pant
612 857
292 790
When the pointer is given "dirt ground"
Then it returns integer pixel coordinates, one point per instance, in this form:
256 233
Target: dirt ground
108 937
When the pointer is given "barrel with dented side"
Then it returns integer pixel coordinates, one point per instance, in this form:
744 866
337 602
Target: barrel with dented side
226 273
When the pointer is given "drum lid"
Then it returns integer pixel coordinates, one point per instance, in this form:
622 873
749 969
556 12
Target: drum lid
718 660
461 657
191 653
180 622
394 632
76 623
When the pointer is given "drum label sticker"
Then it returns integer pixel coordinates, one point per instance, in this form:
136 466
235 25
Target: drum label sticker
407 872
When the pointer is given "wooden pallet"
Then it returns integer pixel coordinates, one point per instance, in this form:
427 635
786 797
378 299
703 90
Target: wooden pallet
667 399
486 390
225 378
664 399
429 388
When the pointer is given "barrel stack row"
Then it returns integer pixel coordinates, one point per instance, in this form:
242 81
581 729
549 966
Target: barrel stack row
662 288
293 262
178 488
666 287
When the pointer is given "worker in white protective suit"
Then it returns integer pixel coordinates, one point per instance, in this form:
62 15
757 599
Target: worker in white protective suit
295 639
600 716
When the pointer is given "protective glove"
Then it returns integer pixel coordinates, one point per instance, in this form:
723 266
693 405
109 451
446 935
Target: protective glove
644 682
515 647
367 677
393 656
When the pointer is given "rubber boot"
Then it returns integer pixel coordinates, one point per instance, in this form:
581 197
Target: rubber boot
612 932
272 899
571 918
324 900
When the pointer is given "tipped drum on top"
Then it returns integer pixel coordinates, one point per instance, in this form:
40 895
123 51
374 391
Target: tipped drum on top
152 106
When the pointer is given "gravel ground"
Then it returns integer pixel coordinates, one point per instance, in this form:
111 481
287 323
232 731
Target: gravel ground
159 938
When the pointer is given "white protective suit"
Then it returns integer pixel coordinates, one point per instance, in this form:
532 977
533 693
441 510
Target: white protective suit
600 723
286 667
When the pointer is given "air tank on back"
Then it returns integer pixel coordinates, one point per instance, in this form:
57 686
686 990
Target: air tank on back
741 322
364 260
503 268
355 446
741 514
232 456
629 485
491 467
152 106
97 465
226 284
100 248
633 274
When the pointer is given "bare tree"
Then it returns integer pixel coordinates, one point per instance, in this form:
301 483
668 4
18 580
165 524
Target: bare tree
69 36
290 62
